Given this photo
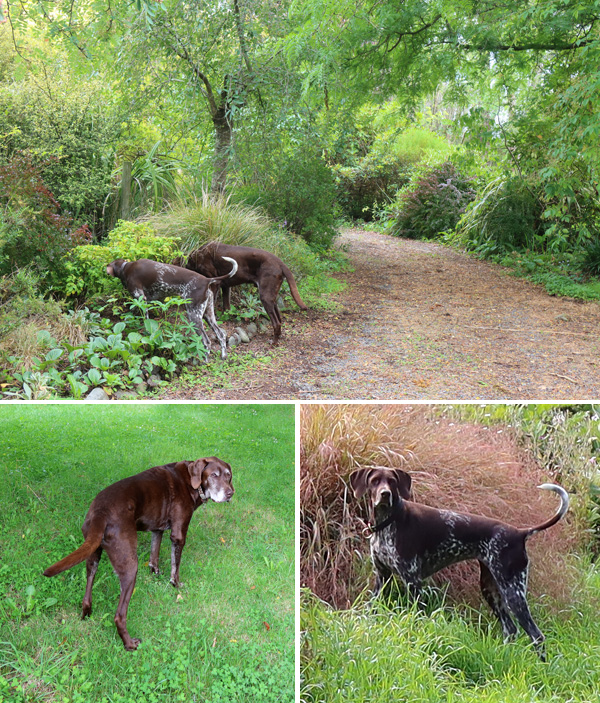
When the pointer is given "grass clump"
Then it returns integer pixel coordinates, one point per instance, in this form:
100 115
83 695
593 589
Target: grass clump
215 218
382 654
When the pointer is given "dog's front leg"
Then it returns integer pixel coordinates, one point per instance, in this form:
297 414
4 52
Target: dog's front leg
155 551
195 315
138 293
177 545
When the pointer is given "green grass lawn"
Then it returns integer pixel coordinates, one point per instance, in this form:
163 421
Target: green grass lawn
226 635
448 654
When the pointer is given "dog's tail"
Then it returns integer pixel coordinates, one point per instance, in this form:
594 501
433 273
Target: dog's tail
289 276
92 542
231 274
564 506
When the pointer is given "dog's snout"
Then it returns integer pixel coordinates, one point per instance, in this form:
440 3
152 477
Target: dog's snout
384 496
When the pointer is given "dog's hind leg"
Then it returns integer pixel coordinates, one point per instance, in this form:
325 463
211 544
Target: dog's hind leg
91 566
123 556
513 591
155 551
272 311
195 315
490 592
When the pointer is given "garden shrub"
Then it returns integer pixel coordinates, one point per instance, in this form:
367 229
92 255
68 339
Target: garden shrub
112 355
431 204
33 229
25 314
69 127
505 217
374 179
300 195
83 270
360 188
591 258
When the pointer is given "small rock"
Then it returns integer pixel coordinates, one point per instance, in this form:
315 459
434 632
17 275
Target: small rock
141 387
125 395
97 394
280 303
241 332
251 329
154 381
264 327
233 341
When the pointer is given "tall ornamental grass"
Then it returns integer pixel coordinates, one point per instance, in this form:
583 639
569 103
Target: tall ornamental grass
215 218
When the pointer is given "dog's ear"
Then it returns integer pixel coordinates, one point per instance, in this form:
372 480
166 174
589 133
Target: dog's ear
358 482
196 469
404 483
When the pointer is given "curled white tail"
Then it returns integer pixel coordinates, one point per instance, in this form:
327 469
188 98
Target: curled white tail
564 506
234 264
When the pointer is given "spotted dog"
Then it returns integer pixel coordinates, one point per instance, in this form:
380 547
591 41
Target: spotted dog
152 280
412 541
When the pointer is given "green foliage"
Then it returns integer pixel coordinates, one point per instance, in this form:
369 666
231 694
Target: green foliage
374 179
155 180
32 229
506 216
69 127
559 274
563 438
431 204
83 270
591 258
24 315
299 193
114 356
446 654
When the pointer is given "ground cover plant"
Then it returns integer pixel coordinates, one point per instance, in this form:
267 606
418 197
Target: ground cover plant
228 634
87 333
487 461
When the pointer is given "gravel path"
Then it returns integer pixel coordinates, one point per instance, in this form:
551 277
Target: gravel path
420 321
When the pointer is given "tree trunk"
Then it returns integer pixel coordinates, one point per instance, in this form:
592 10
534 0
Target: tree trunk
222 150
126 191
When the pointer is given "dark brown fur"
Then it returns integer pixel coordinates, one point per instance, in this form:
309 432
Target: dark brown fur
159 499
256 266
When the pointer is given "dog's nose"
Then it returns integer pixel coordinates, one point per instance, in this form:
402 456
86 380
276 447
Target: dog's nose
385 496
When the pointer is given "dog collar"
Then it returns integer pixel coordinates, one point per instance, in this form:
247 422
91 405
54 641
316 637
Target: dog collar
371 530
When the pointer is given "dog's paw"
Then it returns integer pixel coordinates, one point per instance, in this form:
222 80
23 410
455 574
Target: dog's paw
133 644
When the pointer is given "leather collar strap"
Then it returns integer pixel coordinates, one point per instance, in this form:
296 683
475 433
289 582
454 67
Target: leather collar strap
392 517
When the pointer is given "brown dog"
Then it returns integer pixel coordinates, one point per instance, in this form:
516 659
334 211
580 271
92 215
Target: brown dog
155 500
412 541
256 266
